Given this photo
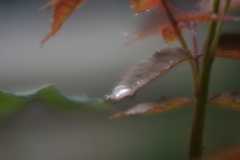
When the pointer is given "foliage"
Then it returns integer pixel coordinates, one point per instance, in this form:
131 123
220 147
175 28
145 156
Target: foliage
169 21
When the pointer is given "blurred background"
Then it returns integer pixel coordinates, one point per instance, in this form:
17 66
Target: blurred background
88 56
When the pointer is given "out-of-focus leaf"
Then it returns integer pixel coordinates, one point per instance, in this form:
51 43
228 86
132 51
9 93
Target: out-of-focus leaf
205 17
10 103
62 9
226 99
165 103
228 54
169 34
158 30
143 5
153 25
145 71
229 46
230 154
51 96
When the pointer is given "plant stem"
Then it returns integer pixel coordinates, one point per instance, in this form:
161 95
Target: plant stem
195 48
202 94
182 41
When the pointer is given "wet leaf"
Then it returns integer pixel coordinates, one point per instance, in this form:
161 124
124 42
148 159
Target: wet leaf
148 70
169 35
153 25
143 5
62 9
205 17
158 30
165 103
226 99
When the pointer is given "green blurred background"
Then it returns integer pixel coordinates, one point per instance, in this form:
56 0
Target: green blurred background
88 56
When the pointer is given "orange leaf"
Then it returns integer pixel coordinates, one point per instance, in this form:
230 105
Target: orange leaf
143 5
153 25
226 99
169 35
228 54
145 71
204 17
158 30
165 103
62 9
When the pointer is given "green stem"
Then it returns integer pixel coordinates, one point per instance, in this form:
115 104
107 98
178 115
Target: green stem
202 94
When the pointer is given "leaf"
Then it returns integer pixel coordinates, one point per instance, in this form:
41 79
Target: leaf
229 154
160 62
165 103
158 30
169 34
228 54
229 46
62 9
226 99
153 25
143 5
10 103
51 96
205 17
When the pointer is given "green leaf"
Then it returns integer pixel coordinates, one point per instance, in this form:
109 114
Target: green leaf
10 103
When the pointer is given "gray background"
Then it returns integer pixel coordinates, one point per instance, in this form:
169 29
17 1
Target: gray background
88 56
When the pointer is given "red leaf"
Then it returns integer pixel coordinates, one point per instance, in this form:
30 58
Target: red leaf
226 99
228 54
160 62
169 34
205 17
153 24
165 103
143 5
62 9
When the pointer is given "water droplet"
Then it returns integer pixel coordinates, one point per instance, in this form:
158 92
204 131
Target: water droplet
106 97
167 66
121 91
136 14
171 62
142 82
154 75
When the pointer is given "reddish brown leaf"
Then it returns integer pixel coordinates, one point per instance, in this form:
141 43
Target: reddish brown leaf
158 30
169 34
62 9
229 46
229 154
226 99
145 71
143 5
165 103
228 54
204 17
153 24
